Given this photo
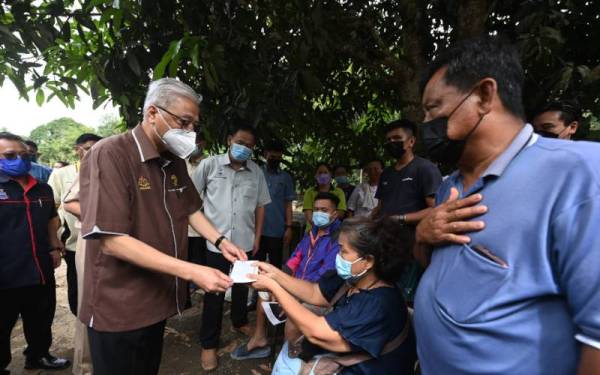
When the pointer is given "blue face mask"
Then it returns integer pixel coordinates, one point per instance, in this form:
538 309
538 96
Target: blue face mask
344 269
341 180
16 167
240 152
320 219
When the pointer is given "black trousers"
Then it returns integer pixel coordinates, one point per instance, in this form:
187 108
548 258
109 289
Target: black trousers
71 281
212 314
273 247
36 304
197 250
136 352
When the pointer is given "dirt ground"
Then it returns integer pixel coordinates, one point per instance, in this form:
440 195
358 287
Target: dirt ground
181 353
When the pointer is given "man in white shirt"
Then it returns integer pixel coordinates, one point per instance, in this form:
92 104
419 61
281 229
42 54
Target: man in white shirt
363 201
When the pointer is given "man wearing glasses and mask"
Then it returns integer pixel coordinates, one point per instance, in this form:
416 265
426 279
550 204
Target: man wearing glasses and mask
136 202
513 282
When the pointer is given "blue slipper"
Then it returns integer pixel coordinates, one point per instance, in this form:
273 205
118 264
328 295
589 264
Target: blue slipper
242 352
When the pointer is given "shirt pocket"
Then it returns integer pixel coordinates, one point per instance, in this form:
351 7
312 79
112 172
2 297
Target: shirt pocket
470 283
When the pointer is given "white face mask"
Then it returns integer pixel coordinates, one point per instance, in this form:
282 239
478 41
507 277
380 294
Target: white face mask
178 141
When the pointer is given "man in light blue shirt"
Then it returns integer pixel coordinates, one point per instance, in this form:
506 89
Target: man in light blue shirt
521 293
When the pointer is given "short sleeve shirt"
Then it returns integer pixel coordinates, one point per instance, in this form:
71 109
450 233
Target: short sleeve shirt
128 188
61 180
527 309
231 197
281 190
367 321
404 191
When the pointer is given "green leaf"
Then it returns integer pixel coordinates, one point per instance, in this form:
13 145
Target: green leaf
133 64
196 55
174 48
39 97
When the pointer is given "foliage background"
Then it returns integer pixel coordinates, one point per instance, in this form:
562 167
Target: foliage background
323 75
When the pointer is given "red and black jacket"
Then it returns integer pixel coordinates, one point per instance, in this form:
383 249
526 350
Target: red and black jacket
24 243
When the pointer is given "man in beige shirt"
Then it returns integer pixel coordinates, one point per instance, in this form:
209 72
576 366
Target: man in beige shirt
61 181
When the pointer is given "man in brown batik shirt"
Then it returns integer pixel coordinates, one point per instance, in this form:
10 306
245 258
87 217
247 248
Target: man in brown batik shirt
136 201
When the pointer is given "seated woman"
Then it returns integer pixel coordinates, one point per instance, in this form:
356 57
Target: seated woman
371 313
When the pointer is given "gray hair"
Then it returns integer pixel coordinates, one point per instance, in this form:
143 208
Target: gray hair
162 92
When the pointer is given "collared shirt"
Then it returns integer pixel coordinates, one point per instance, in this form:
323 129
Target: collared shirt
128 188
518 298
315 255
281 190
362 201
231 197
404 191
61 181
24 240
40 172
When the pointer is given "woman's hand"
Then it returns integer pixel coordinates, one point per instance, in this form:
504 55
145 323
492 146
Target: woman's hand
268 270
263 282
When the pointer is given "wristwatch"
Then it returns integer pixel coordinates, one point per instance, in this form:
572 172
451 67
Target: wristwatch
218 241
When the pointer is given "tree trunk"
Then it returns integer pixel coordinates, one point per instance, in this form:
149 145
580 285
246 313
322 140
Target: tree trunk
472 16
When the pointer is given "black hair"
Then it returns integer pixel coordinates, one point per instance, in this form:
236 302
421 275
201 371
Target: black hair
374 160
336 167
569 111
274 145
242 127
31 143
409 126
324 164
389 243
472 60
328 196
11 137
86 137
63 162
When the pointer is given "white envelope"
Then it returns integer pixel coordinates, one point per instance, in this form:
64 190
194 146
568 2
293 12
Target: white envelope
242 268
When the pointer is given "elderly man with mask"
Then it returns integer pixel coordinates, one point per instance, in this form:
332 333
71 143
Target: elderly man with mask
136 202
519 293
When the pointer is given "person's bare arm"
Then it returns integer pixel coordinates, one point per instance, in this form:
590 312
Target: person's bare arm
134 251
305 291
201 225
259 219
315 328
55 243
74 208
589 361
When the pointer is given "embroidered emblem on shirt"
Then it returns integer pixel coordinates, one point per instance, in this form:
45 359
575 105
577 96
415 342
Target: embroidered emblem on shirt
3 194
407 179
174 180
143 183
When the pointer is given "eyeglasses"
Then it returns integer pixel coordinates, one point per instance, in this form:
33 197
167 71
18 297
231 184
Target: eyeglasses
14 155
185 123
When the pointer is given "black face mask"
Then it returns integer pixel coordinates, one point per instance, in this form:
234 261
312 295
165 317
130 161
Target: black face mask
547 134
395 149
438 146
273 164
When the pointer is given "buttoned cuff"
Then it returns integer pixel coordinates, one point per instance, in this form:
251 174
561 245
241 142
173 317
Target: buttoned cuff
588 341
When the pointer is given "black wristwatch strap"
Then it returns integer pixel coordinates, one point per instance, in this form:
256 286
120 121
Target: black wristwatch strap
218 242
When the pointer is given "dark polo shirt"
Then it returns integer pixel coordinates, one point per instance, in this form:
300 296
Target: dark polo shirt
128 188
